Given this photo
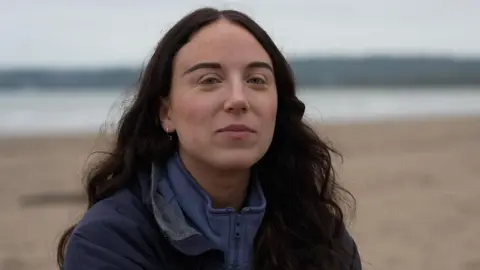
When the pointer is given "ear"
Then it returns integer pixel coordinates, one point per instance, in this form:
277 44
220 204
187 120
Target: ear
164 115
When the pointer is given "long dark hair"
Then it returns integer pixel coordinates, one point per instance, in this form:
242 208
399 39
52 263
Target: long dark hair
304 215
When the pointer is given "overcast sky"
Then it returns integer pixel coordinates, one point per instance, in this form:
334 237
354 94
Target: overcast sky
111 32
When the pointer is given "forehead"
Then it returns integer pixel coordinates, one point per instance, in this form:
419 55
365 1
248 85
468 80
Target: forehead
223 42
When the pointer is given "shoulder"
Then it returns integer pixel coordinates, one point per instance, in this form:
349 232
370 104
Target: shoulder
349 251
116 233
123 209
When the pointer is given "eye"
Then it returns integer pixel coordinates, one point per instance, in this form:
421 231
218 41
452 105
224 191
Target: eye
257 80
210 80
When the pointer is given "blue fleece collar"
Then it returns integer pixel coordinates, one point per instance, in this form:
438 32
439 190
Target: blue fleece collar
184 212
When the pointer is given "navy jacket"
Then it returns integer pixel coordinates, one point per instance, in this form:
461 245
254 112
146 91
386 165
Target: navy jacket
134 228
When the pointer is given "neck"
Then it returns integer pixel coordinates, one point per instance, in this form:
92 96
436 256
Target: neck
226 188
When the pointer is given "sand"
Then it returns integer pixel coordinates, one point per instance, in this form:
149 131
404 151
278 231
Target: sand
417 185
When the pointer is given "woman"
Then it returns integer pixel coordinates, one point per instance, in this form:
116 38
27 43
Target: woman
213 167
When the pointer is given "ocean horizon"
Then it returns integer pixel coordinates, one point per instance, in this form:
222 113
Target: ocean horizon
31 112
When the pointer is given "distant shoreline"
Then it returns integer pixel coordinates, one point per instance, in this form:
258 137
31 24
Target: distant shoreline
385 72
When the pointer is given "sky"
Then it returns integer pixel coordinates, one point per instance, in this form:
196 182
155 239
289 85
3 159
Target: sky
59 33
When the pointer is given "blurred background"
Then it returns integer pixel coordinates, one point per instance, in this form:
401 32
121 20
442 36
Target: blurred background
395 85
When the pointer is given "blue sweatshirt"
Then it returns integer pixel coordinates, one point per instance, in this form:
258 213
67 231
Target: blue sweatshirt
225 230
165 221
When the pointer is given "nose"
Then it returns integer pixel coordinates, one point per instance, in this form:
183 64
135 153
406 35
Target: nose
237 101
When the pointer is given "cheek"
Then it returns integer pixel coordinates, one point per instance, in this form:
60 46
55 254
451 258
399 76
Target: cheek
273 110
269 116
269 123
190 116
270 109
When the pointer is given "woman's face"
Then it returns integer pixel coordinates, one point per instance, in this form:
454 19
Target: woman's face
223 100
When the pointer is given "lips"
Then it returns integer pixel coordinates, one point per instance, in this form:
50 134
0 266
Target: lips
237 128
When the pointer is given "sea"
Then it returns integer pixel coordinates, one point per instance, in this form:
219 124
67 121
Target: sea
33 111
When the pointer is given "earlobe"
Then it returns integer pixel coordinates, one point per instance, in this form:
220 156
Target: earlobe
165 122
164 116
167 126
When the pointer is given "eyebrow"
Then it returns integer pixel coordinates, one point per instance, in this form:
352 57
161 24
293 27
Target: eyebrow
214 65
260 65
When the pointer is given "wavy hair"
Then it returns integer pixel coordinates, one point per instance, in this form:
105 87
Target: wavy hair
304 215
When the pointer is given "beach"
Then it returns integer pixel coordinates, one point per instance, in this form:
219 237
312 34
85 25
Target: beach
417 186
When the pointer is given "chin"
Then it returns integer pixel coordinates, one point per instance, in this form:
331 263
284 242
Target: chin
236 160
